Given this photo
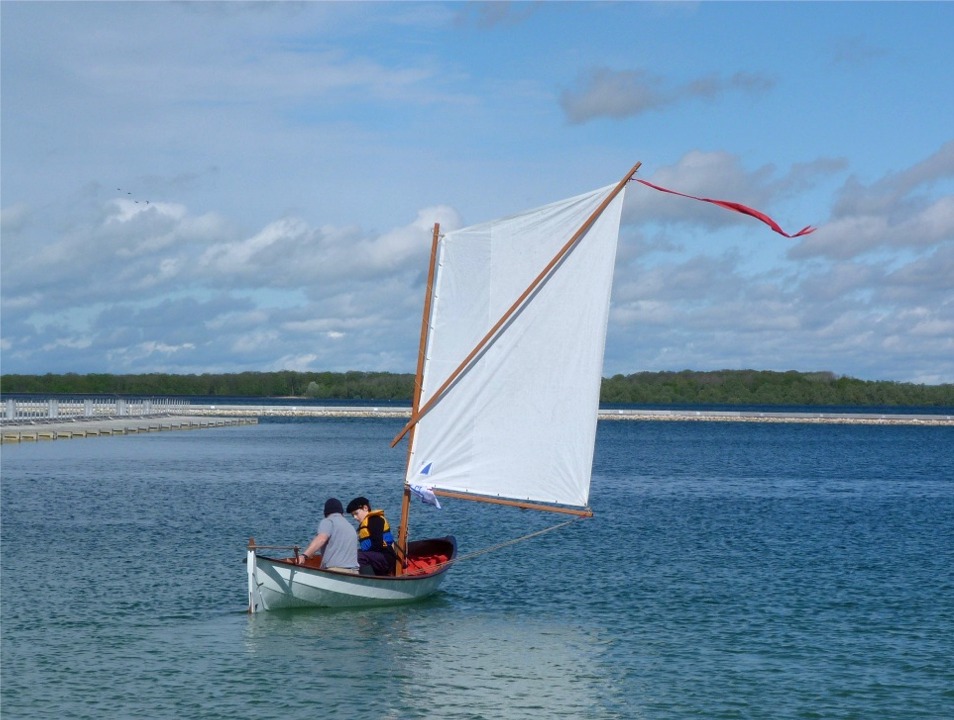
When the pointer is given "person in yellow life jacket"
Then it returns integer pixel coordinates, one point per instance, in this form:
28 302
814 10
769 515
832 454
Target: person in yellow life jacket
375 541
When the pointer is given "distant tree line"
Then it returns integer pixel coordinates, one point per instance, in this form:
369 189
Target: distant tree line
762 387
284 383
722 387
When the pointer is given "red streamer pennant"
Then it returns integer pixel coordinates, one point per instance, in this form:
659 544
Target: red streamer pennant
737 207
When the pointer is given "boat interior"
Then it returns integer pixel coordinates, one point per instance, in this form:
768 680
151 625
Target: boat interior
424 556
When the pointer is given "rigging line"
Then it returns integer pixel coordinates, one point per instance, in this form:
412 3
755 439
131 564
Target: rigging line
504 544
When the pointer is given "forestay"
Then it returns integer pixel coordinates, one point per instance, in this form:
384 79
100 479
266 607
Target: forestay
520 421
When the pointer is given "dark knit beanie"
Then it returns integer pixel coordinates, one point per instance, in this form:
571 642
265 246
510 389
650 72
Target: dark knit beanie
332 506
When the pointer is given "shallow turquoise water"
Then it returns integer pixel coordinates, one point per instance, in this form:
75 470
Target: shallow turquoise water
733 570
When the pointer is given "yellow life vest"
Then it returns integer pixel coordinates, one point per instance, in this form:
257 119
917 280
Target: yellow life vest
364 537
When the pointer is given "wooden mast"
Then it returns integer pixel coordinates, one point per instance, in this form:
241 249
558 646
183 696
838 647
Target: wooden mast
416 412
421 354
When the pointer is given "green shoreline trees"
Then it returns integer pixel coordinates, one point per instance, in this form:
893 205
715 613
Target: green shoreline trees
721 387
761 387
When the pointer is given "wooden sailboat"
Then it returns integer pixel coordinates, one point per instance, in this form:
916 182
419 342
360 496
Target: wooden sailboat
507 392
279 583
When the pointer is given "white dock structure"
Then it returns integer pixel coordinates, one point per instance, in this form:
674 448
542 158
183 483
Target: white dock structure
33 419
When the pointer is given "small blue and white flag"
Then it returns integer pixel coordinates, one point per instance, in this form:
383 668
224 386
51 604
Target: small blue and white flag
425 492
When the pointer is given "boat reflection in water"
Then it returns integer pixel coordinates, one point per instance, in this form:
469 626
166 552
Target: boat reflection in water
430 660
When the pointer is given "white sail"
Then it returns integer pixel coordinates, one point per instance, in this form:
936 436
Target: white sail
520 421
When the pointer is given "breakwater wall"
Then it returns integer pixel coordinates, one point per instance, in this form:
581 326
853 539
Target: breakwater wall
860 418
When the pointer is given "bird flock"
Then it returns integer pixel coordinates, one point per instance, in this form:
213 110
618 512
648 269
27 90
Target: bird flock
132 198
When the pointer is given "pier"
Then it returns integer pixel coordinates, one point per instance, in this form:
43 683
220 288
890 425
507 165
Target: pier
65 429
67 417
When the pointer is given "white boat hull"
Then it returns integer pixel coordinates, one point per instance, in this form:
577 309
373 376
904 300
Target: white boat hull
278 583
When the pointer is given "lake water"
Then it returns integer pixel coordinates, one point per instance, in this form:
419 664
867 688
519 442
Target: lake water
733 570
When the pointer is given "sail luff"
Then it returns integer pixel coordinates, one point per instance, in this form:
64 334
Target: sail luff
418 378
418 413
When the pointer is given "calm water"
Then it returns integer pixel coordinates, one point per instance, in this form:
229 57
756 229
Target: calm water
732 571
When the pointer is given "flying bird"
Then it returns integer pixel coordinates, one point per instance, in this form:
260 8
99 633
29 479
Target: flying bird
129 192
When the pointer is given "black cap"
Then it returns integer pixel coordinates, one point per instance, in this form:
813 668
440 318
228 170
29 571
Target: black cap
332 506
357 503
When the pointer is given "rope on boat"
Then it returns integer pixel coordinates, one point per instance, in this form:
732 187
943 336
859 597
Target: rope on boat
498 546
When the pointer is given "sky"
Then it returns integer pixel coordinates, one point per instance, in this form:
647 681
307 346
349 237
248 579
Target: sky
223 187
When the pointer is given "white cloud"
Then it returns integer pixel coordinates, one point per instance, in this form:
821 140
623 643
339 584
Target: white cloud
172 298
299 363
864 287
721 176
13 218
898 210
618 94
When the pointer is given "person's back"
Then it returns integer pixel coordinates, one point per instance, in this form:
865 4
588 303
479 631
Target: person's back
341 550
336 540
